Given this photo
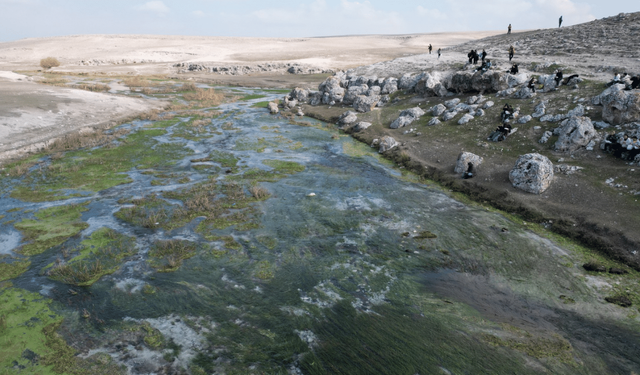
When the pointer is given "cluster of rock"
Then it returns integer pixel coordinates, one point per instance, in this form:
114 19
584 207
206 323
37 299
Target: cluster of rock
97 62
293 68
619 106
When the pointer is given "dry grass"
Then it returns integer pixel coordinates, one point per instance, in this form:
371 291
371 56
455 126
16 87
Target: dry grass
205 96
76 141
259 192
188 86
136 82
96 87
49 62
54 81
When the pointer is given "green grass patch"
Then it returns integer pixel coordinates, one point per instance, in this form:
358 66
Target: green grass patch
51 227
282 166
252 97
260 105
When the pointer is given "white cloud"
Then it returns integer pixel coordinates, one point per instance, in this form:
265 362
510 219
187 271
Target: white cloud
154 6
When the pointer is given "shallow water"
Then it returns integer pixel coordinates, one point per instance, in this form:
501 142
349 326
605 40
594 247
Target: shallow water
334 279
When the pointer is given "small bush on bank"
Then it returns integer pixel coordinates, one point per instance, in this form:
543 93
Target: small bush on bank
49 62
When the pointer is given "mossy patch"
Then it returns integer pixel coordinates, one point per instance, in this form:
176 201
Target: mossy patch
99 255
51 227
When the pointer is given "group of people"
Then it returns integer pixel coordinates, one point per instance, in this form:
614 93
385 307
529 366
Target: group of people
474 56
504 129
622 146
629 82
431 49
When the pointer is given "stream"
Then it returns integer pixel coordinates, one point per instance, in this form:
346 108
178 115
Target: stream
338 263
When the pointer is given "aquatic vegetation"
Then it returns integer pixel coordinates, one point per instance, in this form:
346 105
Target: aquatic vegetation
13 269
98 169
51 227
252 97
167 256
101 254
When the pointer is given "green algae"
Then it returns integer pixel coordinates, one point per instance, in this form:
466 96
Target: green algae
28 339
101 168
13 269
51 227
99 255
252 97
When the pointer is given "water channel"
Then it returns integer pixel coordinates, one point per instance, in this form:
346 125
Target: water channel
328 260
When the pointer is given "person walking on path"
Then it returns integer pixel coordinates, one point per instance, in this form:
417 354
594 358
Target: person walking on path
430 48
560 22
439 50
512 51
509 29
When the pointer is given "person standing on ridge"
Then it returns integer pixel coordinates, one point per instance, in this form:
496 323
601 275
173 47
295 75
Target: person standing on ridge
439 52
483 55
560 22
430 48
509 29
512 51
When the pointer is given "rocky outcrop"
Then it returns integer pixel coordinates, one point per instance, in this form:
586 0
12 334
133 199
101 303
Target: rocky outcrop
353 91
524 119
489 82
532 173
462 82
517 80
574 133
464 159
619 106
407 117
293 68
332 91
386 144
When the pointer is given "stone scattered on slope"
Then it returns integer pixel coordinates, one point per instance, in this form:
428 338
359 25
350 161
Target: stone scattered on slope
532 173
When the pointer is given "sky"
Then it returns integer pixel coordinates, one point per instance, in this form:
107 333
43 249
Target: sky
286 18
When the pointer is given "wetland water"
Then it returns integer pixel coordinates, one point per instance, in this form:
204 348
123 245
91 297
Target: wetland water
233 241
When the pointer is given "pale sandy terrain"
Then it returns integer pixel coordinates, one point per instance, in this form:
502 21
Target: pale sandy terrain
160 52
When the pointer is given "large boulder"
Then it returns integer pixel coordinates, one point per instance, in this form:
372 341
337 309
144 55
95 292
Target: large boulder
386 144
620 106
574 133
450 104
273 108
347 118
407 117
430 85
409 81
464 159
365 103
524 93
532 173
332 90
389 86
299 94
517 80
362 125
548 82
489 81
438 109
465 119
353 91
539 110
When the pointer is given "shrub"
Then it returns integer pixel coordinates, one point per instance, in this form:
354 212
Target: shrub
49 62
